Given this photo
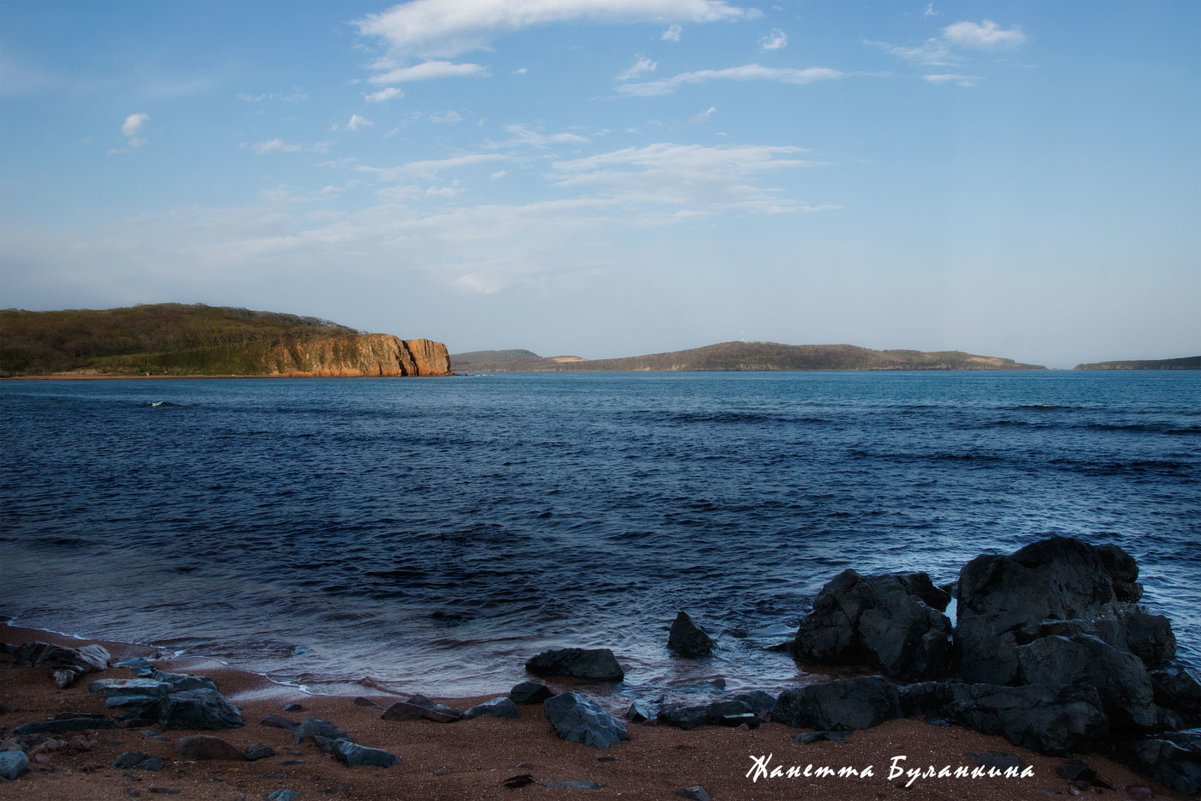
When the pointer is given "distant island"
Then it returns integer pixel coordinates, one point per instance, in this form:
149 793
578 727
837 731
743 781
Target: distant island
1187 363
738 356
174 339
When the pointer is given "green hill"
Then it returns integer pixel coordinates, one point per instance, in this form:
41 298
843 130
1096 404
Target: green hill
177 339
754 356
1187 363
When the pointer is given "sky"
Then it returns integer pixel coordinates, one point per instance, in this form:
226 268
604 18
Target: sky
608 178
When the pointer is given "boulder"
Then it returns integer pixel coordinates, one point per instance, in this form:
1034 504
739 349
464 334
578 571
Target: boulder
1173 760
1149 637
839 705
280 722
353 755
1003 601
720 713
13 765
1119 677
421 708
1034 717
312 728
688 639
198 709
136 760
596 664
63 725
203 746
258 751
502 707
880 621
580 720
530 692
1179 689
66 664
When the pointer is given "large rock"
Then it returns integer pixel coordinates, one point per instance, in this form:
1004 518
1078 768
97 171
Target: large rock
1120 677
597 664
720 713
65 664
502 707
1038 718
421 708
203 746
312 728
688 639
1179 689
353 755
1006 601
580 720
198 709
1173 760
530 692
839 705
63 725
881 621
13 765
344 355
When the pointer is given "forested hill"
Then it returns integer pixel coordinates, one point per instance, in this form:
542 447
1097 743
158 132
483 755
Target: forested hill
748 356
179 339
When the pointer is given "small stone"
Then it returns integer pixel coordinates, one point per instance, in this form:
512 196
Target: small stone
353 755
696 793
13 764
502 707
318 727
419 707
530 692
259 751
293 708
279 722
154 788
283 795
577 785
360 701
513 782
203 746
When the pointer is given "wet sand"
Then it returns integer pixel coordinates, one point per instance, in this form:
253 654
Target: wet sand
472 759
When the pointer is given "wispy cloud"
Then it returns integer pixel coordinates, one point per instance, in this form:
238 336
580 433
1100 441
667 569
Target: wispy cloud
776 40
640 66
447 28
275 146
383 95
967 81
747 72
673 33
986 35
930 12
525 136
428 71
703 117
131 129
295 96
353 124
932 52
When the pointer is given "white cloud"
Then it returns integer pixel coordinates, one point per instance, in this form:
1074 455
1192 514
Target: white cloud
932 52
430 70
930 12
131 129
446 117
521 70
983 36
391 93
355 123
295 96
967 81
748 72
496 176
275 146
641 65
672 34
447 28
523 135
703 117
776 40
429 169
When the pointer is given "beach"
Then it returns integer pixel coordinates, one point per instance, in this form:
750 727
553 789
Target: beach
475 758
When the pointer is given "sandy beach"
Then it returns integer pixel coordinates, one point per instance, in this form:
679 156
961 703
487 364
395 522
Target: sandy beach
475 758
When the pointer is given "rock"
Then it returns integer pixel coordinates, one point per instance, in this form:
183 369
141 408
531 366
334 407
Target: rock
521 780
720 713
577 785
1004 600
696 793
13 765
880 621
136 760
421 708
119 688
809 737
353 755
597 664
138 664
355 355
279 722
640 712
1075 771
1173 760
360 701
756 700
198 709
1122 571
502 707
259 751
1120 678
530 692
687 639
64 725
295 708
182 681
1150 638
840 705
580 720
283 795
203 746
318 727
1179 689
919 584
66 664
1034 717
926 698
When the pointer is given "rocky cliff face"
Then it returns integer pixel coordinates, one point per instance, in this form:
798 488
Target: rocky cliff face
358 355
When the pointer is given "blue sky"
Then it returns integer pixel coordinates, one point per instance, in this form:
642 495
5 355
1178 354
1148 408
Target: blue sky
614 177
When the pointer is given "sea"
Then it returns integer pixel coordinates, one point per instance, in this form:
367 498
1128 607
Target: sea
432 534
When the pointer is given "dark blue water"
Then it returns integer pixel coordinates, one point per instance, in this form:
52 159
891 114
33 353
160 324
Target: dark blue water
434 533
